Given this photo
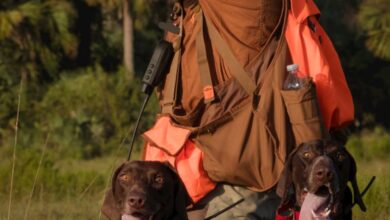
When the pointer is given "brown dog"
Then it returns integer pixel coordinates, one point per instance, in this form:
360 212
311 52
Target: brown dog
319 172
144 190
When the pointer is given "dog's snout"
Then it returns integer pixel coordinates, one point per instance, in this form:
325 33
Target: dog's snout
137 201
323 174
322 170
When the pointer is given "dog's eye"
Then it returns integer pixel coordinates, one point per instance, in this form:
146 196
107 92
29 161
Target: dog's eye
340 157
124 178
306 155
159 179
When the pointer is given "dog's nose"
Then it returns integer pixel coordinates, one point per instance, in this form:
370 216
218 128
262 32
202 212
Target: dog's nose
323 174
136 201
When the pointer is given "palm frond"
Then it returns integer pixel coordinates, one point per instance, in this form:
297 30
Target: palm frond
8 20
374 18
41 31
61 17
32 11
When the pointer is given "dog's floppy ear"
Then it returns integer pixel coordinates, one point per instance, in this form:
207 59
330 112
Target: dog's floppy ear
285 179
111 206
352 177
182 199
114 188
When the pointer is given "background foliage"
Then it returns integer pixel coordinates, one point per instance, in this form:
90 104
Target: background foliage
65 59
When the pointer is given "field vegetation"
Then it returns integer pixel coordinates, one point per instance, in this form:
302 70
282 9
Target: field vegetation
73 188
70 73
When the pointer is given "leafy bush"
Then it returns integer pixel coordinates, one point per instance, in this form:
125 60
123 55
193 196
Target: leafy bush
370 144
86 113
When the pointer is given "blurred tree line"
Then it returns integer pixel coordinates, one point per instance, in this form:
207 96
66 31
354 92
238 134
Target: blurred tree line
360 32
79 63
67 56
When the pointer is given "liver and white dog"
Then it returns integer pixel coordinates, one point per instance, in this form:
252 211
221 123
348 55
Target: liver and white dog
144 190
318 173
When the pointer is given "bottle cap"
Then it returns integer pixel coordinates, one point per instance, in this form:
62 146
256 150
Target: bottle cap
292 67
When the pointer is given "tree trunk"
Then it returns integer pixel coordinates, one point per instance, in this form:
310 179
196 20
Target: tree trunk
128 34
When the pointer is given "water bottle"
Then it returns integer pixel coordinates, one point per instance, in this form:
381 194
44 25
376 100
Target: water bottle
294 80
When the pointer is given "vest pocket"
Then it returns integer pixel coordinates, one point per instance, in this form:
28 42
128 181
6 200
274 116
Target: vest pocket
242 151
304 114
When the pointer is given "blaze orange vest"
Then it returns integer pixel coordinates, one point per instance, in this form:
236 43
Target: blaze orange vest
312 50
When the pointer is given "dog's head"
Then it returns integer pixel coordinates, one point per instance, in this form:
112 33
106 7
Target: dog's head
144 190
321 169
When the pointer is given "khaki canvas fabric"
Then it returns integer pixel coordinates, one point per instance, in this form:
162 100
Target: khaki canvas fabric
245 25
245 135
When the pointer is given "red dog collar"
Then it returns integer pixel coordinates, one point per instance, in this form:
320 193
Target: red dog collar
292 215
287 212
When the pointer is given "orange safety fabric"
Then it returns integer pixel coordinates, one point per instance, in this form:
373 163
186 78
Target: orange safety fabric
316 56
166 142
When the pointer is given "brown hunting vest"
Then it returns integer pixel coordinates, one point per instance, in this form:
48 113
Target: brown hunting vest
228 90
245 25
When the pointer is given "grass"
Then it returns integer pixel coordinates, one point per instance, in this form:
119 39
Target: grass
66 202
70 206
377 198
68 188
46 206
71 188
371 149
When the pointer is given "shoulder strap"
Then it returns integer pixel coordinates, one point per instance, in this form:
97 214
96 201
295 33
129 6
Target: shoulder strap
172 78
237 70
224 50
203 63
171 84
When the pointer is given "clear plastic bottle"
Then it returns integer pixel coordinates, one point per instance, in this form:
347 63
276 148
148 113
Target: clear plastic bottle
294 80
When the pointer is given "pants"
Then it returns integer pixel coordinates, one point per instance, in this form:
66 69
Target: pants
256 205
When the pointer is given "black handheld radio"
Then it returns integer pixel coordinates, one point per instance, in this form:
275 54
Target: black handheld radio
157 66
154 74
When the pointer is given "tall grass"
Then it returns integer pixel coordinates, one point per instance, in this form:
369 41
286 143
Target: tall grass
369 145
26 211
14 151
73 188
377 198
48 206
61 191
371 149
